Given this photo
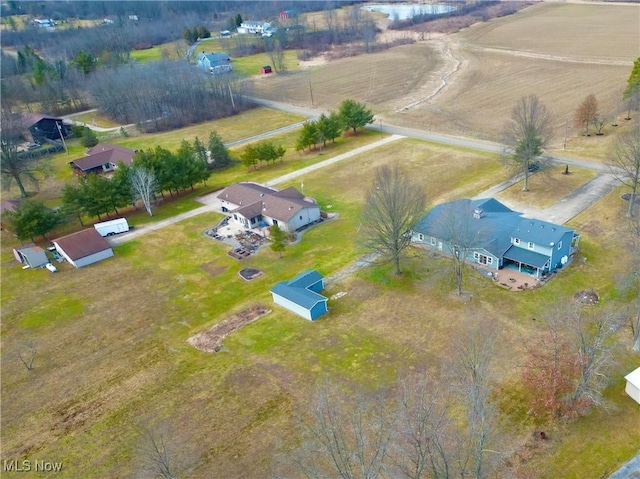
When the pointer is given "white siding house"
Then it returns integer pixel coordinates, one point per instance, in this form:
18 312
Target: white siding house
83 248
253 205
633 385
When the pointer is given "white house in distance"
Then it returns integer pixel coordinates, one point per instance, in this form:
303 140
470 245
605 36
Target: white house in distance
633 385
253 206
83 248
254 27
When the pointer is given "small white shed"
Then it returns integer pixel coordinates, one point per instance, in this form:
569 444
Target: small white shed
633 385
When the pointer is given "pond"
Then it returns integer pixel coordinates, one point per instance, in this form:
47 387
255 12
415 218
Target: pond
404 11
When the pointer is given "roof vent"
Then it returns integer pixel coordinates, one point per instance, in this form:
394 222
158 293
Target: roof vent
478 213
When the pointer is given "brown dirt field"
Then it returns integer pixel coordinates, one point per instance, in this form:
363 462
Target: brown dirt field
571 50
576 32
213 268
210 341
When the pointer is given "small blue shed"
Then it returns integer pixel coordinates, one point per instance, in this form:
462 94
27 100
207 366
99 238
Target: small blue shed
301 295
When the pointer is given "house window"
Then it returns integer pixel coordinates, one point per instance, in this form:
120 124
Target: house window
559 245
516 240
433 241
489 260
420 237
476 255
530 245
300 216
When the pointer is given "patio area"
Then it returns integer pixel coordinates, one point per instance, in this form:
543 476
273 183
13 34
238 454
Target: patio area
515 280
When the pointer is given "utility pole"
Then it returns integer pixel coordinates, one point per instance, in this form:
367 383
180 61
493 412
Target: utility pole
566 129
311 91
64 143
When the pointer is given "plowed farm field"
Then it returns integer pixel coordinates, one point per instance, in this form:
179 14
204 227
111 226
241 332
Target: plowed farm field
468 82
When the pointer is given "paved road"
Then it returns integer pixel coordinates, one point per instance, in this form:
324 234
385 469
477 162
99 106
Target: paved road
457 141
561 212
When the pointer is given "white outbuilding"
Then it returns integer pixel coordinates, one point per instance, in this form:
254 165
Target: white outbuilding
83 248
633 384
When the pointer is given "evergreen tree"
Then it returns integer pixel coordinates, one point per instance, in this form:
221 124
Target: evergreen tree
89 138
220 157
354 115
31 219
278 239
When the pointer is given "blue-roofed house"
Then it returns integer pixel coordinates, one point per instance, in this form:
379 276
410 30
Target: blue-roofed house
301 295
215 62
492 235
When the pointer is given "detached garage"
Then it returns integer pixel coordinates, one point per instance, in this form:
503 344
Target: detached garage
301 295
633 384
83 248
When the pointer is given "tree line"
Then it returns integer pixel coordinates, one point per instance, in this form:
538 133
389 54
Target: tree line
154 172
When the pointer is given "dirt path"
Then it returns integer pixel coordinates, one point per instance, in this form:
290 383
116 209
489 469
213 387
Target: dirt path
451 65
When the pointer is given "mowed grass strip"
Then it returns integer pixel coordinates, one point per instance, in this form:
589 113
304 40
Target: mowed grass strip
237 127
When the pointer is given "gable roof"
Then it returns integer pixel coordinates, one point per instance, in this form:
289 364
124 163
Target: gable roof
34 256
295 290
214 58
30 119
102 154
539 232
253 200
494 228
82 244
491 231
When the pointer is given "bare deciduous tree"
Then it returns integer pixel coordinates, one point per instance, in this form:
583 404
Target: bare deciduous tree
425 440
586 113
27 354
144 185
461 231
472 369
593 331
347 437
159 457
567 366
624 162
394 204
527 135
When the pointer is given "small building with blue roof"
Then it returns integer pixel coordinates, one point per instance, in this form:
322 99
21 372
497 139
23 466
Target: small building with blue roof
301 295
492 235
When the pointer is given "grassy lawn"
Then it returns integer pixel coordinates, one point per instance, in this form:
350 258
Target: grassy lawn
547 187
233 128
166 51
93 119
250 65
129 365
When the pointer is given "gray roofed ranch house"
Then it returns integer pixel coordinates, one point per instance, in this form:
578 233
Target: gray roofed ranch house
215 62
301 295
496 237
253 205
